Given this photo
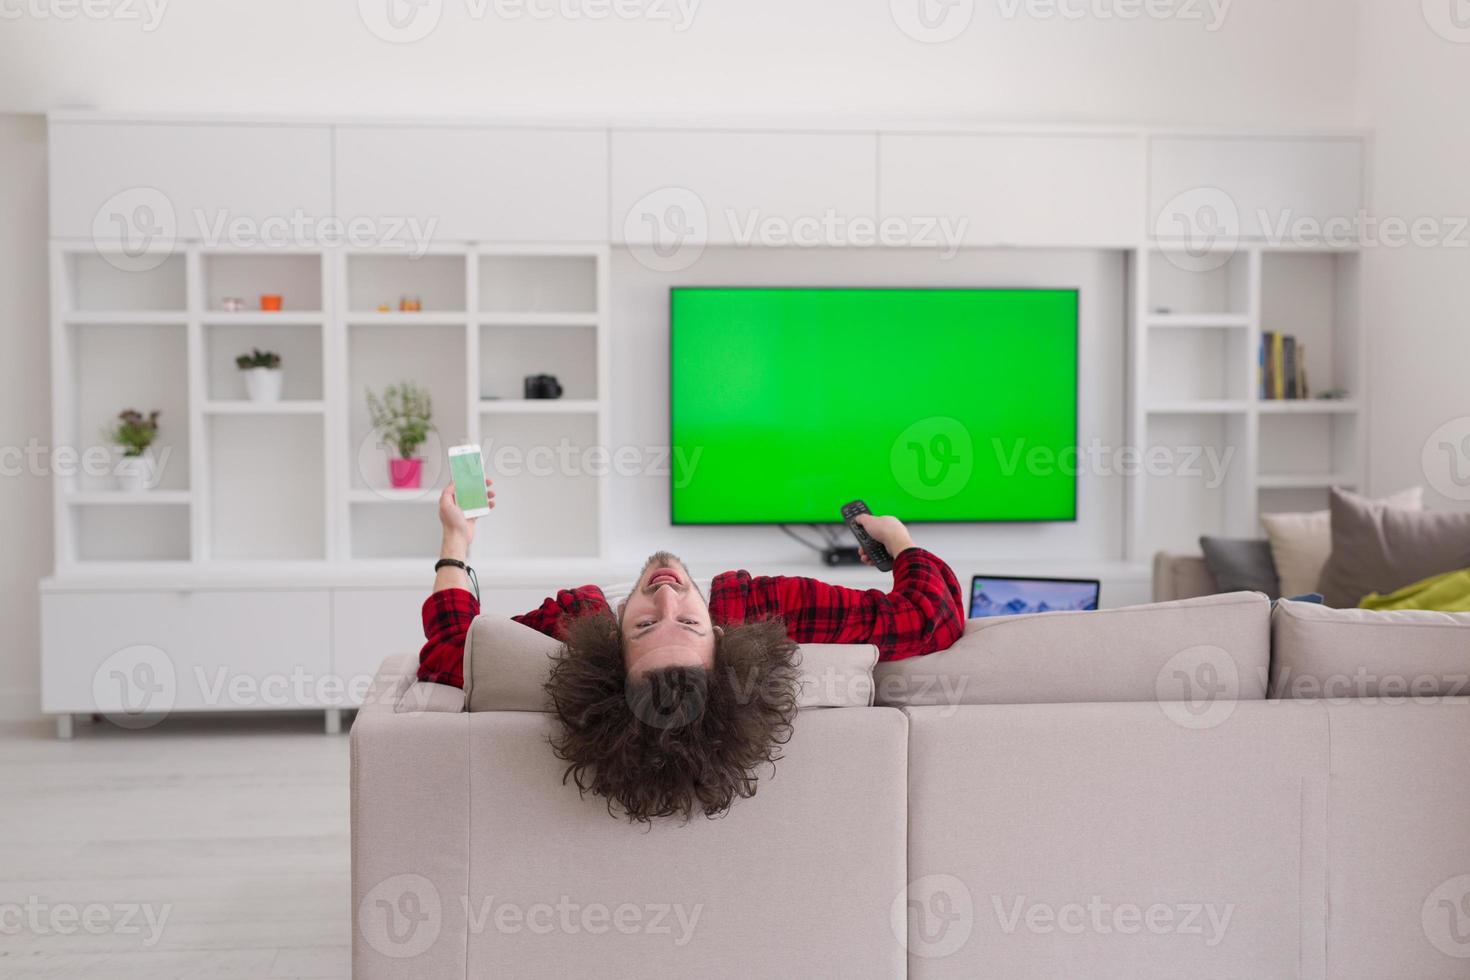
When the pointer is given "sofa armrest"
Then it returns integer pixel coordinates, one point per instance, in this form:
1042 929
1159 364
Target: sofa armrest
397 689
1181 577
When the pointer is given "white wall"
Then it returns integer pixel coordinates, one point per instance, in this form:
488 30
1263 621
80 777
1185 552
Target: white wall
1411 83
1269 62
25 412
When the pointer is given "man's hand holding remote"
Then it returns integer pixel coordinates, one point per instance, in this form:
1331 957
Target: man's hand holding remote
887 531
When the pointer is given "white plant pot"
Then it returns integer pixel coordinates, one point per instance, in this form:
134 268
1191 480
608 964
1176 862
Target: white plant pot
264 384
133 474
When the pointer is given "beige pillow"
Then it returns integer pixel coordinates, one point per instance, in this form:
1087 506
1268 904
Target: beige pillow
506 665
1301 543
1319 652
1132 654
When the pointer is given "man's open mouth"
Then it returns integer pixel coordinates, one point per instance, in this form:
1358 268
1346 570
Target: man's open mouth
664 576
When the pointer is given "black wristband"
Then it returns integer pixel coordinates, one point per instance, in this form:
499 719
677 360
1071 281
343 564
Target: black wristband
456 563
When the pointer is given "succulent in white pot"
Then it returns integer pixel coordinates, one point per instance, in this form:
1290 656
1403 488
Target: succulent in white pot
133 434
263 375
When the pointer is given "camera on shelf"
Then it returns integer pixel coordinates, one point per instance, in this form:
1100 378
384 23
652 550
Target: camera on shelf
542 386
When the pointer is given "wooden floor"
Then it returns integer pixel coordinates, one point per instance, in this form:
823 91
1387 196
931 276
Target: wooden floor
235 830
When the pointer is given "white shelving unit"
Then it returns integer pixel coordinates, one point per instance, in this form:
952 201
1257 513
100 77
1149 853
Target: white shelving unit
1196 326
304 479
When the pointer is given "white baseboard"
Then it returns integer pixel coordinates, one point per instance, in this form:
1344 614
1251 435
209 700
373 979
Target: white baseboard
20 703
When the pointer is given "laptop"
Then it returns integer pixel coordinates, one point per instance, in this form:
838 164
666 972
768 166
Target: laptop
994 595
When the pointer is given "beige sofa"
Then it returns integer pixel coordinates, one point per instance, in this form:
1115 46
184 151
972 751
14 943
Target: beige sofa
1101 795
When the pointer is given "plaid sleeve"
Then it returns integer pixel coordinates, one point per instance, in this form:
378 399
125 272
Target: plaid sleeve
547 617
447 618
922 614
448 615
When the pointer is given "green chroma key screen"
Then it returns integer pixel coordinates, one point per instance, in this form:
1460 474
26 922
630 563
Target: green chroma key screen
930 404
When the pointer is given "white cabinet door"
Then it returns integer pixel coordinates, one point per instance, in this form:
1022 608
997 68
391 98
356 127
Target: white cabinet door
114 652
259 650
1199 186
477 184
370 625
1010 189
742 188
145 183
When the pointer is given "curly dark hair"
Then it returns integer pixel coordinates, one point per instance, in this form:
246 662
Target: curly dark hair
675 740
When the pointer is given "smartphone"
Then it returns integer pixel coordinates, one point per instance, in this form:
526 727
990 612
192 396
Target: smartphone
467 469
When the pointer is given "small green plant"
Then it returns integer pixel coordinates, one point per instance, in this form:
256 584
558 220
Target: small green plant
402 416
134 431
258 359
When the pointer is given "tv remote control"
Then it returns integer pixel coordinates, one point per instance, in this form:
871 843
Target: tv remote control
877 554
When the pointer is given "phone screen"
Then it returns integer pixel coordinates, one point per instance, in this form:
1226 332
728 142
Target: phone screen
468 472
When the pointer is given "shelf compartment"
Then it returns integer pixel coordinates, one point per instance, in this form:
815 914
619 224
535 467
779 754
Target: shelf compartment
117 367
120 283
1307 406
557 284
539 406
509 353
1312 296
1204 364
544 472
1298 448
433 357
114 531
437 280
386 528
296 278
1205 489
1211 284
1199 321
301 358
267 478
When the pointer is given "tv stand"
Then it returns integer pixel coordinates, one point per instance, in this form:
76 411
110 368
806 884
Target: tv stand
841 555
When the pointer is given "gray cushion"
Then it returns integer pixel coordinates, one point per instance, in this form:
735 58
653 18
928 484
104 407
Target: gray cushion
1376 548
1319 652
506 665
1241 565
1141 653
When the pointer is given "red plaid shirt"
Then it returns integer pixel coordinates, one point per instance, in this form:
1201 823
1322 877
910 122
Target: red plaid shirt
922 614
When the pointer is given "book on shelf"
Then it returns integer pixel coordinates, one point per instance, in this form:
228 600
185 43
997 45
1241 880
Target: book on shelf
1283 367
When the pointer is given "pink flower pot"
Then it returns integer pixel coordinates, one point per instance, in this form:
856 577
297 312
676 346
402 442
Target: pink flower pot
405 474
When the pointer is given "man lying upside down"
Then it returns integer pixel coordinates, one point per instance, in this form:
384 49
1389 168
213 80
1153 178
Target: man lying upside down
671 703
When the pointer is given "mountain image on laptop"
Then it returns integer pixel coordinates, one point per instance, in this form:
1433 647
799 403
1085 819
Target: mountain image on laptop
1017 596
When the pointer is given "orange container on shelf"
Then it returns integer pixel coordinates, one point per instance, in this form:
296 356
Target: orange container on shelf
270 302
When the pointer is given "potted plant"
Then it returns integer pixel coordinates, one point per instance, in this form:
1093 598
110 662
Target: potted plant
132 434
263 375
402 418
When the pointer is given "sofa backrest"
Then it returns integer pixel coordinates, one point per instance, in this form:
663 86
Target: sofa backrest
1214 647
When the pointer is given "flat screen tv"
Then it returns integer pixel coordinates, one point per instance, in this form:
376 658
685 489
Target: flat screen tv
930 404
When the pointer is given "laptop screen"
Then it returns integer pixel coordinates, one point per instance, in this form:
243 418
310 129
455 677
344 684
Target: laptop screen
998 596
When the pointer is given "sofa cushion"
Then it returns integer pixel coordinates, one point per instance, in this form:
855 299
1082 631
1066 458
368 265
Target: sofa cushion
1380 549
1160 652
1301 543
1320 652
506 665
